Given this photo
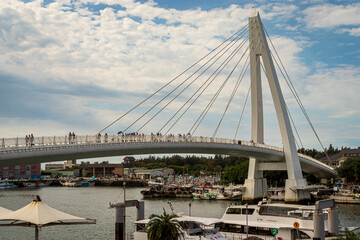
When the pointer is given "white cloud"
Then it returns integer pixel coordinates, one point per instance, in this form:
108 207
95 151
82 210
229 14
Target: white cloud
278 11
335 90
352 31
329 15
93 66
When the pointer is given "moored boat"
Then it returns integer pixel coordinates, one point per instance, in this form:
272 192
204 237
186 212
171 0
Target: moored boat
195 228
35 184
7 185
345 196
283 221
77 183
218 193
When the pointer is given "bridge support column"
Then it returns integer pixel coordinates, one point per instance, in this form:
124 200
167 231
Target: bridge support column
255 189
256 185
293 192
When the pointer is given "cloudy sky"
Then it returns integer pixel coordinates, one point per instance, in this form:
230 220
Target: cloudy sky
71 65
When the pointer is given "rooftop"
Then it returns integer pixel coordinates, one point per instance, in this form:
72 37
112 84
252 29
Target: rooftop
343 153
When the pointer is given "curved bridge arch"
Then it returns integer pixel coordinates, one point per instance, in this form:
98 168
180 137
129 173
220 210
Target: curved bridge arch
92 147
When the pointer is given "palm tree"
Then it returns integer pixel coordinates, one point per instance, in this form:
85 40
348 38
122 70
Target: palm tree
349 236
164 227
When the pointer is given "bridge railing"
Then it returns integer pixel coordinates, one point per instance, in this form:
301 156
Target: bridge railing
312 159
6 143
27 143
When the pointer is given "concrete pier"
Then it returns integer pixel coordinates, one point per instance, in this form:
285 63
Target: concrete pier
120 213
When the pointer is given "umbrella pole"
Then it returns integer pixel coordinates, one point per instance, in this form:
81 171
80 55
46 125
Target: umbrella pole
36 233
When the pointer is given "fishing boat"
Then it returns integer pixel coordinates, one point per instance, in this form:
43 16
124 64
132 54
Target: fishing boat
38 183
7 185
205 193
218 192
196 228
345 196
168 191
77 183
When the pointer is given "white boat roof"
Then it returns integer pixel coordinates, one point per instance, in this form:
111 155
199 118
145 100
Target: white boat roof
277 205
201 220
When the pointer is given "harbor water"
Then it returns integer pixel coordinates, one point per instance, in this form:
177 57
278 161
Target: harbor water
93 202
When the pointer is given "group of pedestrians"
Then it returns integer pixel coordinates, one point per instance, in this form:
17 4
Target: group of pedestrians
98 138
29 140
72 138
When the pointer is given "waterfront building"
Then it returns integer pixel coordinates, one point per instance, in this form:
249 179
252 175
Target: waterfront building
21 171
336 160
104 169
129 162
54 166
69 172
146 174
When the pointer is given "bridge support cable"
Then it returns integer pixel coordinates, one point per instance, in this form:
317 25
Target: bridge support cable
241 34
291 119
301 107
207 108
203 114
243 109
224 63
293 90
297 133
242 112
213 76
164 86
240 78
241 44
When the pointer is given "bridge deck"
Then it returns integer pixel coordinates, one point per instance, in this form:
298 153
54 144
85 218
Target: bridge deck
15 151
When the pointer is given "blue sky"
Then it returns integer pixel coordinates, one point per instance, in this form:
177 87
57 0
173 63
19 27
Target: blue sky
78 65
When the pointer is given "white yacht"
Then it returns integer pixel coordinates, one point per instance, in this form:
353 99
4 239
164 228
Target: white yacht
267 220
196 228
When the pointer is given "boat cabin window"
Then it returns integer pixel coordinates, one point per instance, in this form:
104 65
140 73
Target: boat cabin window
234 228
191 225
250 211
297 234
286 212
140 227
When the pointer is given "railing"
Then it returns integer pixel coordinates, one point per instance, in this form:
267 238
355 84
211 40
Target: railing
45 142
29 142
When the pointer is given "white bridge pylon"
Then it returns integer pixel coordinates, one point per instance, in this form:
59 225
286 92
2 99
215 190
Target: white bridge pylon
256 186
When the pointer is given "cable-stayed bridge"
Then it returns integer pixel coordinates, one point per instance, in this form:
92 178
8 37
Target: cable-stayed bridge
247 48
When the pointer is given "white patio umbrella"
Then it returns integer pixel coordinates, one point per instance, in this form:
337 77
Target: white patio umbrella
39 214
4 211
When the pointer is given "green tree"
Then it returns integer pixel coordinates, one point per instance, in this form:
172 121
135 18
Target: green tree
236 174
164 227
350 169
